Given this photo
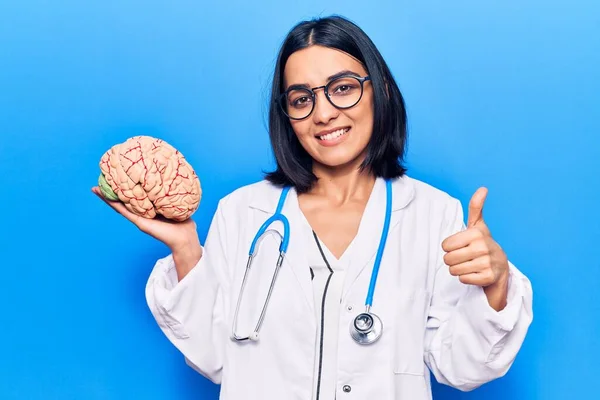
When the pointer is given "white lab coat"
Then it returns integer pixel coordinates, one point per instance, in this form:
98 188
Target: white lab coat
431 320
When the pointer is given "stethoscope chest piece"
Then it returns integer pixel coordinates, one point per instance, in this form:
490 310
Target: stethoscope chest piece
366 328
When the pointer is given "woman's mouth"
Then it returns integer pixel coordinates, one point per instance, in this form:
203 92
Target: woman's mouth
333 138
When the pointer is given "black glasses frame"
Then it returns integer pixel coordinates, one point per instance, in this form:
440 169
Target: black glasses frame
282 97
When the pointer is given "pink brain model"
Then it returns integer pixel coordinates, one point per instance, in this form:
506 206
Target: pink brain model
150 177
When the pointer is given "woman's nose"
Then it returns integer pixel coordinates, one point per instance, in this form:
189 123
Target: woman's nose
324 111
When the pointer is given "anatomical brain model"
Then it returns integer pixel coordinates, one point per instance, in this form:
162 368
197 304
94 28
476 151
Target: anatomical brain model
150 177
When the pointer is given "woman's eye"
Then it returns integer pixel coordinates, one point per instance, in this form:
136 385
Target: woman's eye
344 89
300 101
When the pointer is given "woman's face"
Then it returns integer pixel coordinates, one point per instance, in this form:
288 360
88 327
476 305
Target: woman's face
333 137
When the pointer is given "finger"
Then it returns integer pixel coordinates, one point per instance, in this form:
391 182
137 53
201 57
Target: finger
461 239
469 267
98 193
480 279
476 249
476 207
118 207
111 203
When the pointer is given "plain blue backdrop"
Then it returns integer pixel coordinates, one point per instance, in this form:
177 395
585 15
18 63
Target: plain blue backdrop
502 94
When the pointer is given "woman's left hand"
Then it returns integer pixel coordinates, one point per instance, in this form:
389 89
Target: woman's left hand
475 257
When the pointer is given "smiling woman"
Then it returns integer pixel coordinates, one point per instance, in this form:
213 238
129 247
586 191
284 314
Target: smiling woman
340 218
335 126
359 99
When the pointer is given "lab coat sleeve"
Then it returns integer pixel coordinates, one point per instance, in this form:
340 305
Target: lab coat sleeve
467 342
190 312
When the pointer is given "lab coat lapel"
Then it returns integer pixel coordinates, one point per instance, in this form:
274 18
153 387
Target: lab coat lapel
365 244
266 200
297 255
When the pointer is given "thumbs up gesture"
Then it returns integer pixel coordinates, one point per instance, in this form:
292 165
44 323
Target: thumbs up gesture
475 257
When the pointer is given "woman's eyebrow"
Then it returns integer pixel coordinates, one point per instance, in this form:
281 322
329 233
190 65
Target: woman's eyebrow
329 79
342 73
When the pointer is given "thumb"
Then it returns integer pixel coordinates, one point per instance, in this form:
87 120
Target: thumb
476 207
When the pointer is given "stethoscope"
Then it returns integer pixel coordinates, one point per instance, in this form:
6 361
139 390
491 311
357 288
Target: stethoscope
366 328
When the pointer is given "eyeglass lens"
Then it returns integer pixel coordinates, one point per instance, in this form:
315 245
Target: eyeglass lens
343 92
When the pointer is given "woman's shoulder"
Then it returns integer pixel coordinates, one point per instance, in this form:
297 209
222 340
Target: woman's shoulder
421 192
260 194
423 198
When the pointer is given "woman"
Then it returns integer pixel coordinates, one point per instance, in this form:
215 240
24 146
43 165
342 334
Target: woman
448 299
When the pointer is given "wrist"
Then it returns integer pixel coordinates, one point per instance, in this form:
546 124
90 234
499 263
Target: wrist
186 257
497 292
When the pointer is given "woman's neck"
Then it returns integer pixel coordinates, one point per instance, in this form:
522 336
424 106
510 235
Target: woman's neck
342 185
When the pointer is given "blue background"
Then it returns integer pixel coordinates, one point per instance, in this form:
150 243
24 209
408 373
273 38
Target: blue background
502 94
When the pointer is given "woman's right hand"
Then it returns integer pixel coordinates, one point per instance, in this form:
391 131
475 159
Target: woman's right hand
180 237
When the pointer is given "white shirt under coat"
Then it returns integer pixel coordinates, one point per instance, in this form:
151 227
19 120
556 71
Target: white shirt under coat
327 274
431 321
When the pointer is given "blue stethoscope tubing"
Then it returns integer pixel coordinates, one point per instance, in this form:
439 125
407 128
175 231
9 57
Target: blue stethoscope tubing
366 328
384 234
284 241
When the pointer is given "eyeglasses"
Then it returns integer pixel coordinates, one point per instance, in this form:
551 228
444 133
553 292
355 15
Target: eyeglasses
342 92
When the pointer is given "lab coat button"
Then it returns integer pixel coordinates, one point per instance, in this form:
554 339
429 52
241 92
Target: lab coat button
347 388
349 307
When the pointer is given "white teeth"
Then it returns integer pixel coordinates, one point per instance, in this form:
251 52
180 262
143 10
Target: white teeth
333 135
